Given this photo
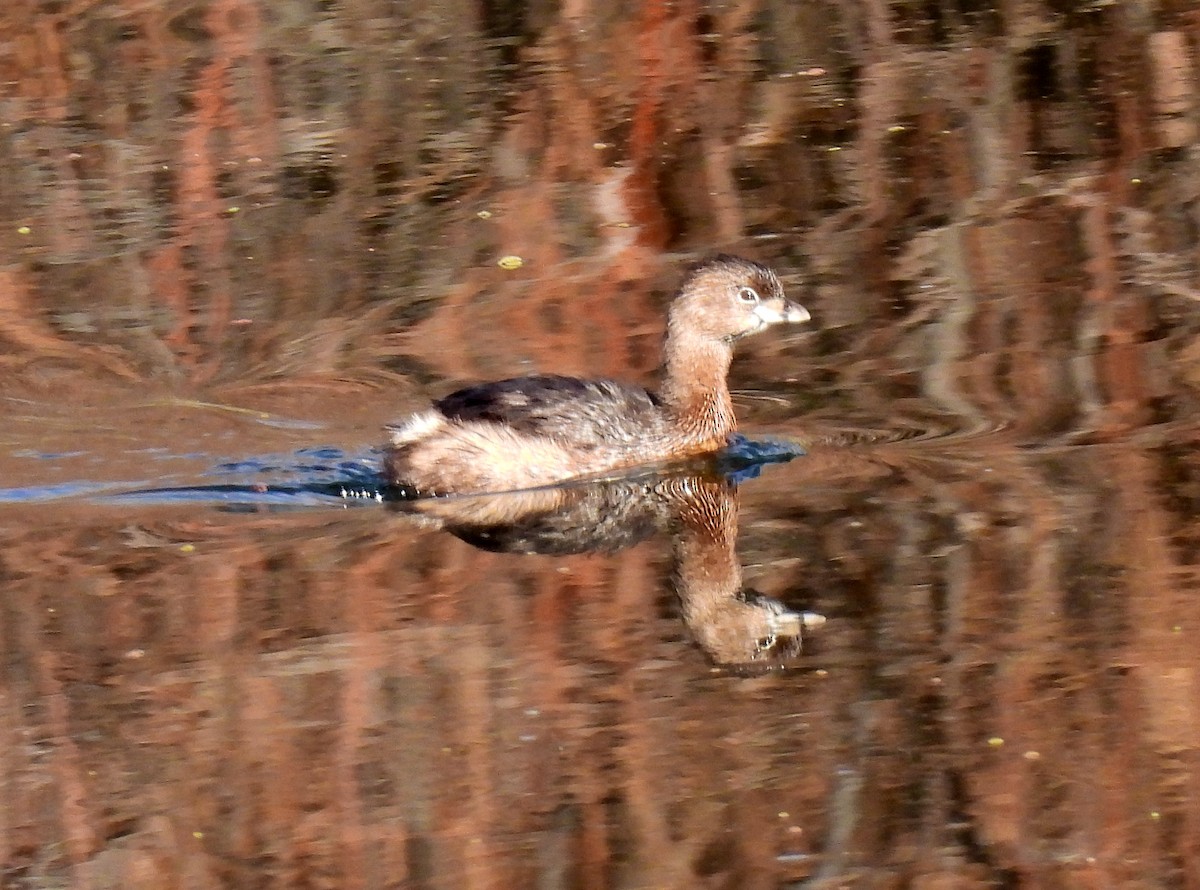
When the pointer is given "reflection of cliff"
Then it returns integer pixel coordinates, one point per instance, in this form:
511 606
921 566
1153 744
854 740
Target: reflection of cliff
732 624
324 192
187 693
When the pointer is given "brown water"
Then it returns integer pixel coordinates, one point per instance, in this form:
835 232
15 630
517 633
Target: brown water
237 238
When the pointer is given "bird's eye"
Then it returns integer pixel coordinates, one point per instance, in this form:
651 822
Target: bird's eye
747 295
764 643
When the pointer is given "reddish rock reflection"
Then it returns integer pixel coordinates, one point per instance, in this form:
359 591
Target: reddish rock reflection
216 210
1006 679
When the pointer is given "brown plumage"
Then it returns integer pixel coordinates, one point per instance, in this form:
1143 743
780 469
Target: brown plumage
541 429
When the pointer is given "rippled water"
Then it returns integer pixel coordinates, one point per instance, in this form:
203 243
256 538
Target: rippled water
952 643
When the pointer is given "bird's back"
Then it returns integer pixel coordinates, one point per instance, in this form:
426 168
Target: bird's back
585 413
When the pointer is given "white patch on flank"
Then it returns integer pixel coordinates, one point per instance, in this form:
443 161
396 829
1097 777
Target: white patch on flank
415 427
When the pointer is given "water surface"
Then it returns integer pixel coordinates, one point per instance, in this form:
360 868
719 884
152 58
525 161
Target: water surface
239 238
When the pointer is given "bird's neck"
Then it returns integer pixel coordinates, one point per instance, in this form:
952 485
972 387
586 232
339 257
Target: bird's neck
695 390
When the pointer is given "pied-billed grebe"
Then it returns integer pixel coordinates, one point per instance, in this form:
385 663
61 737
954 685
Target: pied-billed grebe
537 430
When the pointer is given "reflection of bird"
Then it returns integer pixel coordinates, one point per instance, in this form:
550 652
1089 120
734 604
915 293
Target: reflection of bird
732 624
530 431
598 517
699 507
